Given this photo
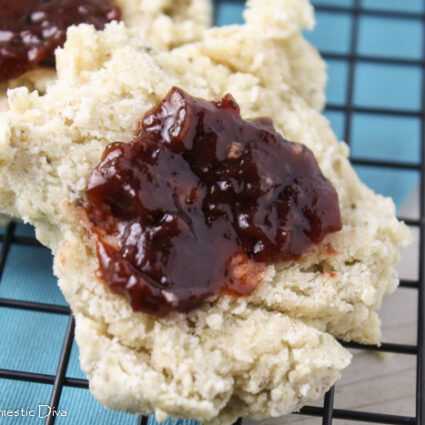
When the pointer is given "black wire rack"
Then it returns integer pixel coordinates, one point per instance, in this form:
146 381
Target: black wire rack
327 412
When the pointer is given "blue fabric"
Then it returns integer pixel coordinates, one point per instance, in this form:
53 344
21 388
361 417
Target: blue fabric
229 13
16 395
74 369
390 37
333 32
32 341
395 5
339 3
28 275
378 137
337 120
82 408
383 86
336 90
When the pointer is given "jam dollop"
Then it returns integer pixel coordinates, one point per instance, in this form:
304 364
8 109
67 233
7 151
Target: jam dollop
30 30
200 201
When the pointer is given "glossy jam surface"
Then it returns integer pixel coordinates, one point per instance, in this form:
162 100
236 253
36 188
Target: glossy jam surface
200 201
30 30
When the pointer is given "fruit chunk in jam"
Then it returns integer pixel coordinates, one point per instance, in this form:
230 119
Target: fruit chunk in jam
30 30
200 202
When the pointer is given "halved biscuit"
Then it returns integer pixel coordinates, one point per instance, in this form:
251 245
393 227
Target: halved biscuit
163 23
258 356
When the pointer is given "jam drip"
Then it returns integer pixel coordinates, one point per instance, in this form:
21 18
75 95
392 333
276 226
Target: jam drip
30 30
200 202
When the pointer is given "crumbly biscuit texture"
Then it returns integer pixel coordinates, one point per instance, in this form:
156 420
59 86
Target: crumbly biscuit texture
217 375
37 79
277 18
167 23
221 361
163 23
260 356
284 21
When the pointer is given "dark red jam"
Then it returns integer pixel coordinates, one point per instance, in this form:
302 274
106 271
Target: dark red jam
200 202
30 30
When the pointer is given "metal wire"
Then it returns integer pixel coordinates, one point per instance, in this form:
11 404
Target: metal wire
420 364
327 412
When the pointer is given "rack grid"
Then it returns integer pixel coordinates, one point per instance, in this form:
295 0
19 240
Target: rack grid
327 412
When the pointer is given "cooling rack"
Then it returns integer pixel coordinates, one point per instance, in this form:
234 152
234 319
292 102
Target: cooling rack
38 356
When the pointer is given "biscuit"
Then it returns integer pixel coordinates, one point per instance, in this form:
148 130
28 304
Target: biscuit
163 23
168 23
213 364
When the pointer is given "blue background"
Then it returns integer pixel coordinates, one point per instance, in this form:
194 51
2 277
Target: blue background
32 341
